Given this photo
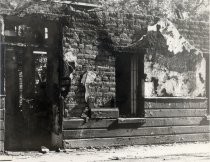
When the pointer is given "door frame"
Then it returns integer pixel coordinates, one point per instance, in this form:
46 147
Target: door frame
54 63
135 85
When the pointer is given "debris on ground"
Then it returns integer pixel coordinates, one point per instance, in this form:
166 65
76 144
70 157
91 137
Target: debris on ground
44 150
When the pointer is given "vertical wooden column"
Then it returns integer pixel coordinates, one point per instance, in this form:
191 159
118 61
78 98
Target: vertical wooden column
134 83
208 78
208 86
2 85
28 90
140 87
53 82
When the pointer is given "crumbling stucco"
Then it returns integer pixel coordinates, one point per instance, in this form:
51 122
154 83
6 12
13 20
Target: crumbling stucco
176 43
93 43
179 73
71 59
87 79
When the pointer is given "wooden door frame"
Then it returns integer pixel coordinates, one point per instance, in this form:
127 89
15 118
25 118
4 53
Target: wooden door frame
55 51
136 86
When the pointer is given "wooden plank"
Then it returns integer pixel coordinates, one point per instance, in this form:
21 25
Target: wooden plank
204 104
132 85
174 112
2 114
83 4
131 120
104 113
172 102
142 140
93 123
1 135
113 123
2 101
1 125
177 121
1 146
102 133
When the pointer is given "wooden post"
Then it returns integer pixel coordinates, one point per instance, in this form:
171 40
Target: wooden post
208 87
53 84
2 83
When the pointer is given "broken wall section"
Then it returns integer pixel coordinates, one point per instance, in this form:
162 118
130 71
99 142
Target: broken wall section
173 66
175 57
91 42
83 46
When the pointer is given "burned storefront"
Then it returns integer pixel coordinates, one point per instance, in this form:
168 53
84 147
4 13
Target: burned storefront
75 76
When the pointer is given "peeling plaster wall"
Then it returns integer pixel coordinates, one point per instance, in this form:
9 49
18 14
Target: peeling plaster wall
173 83
175 58
181 72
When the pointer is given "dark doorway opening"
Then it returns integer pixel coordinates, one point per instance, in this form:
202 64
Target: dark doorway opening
130 84
32 82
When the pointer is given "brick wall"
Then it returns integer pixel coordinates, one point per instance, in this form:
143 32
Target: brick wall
196 32
93 39
85 41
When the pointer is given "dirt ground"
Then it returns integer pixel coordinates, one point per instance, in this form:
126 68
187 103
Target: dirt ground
185 152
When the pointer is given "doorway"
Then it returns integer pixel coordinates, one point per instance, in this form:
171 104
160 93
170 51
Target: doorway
130 84
32 82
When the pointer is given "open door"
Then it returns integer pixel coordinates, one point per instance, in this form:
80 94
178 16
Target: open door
130 84
31 82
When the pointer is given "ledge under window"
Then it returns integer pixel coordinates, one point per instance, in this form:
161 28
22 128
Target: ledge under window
131 120
178 98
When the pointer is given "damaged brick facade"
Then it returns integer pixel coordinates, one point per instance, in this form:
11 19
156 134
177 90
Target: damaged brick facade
94 42
84 41
173 66
174 76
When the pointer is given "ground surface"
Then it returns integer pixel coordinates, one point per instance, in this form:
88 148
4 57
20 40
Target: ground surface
188 152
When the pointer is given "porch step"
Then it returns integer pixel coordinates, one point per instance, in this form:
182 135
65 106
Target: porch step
138 140
155 113
126 132
104 113
113 123
131 120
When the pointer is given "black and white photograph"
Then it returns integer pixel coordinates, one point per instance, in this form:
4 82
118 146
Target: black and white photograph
105 80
